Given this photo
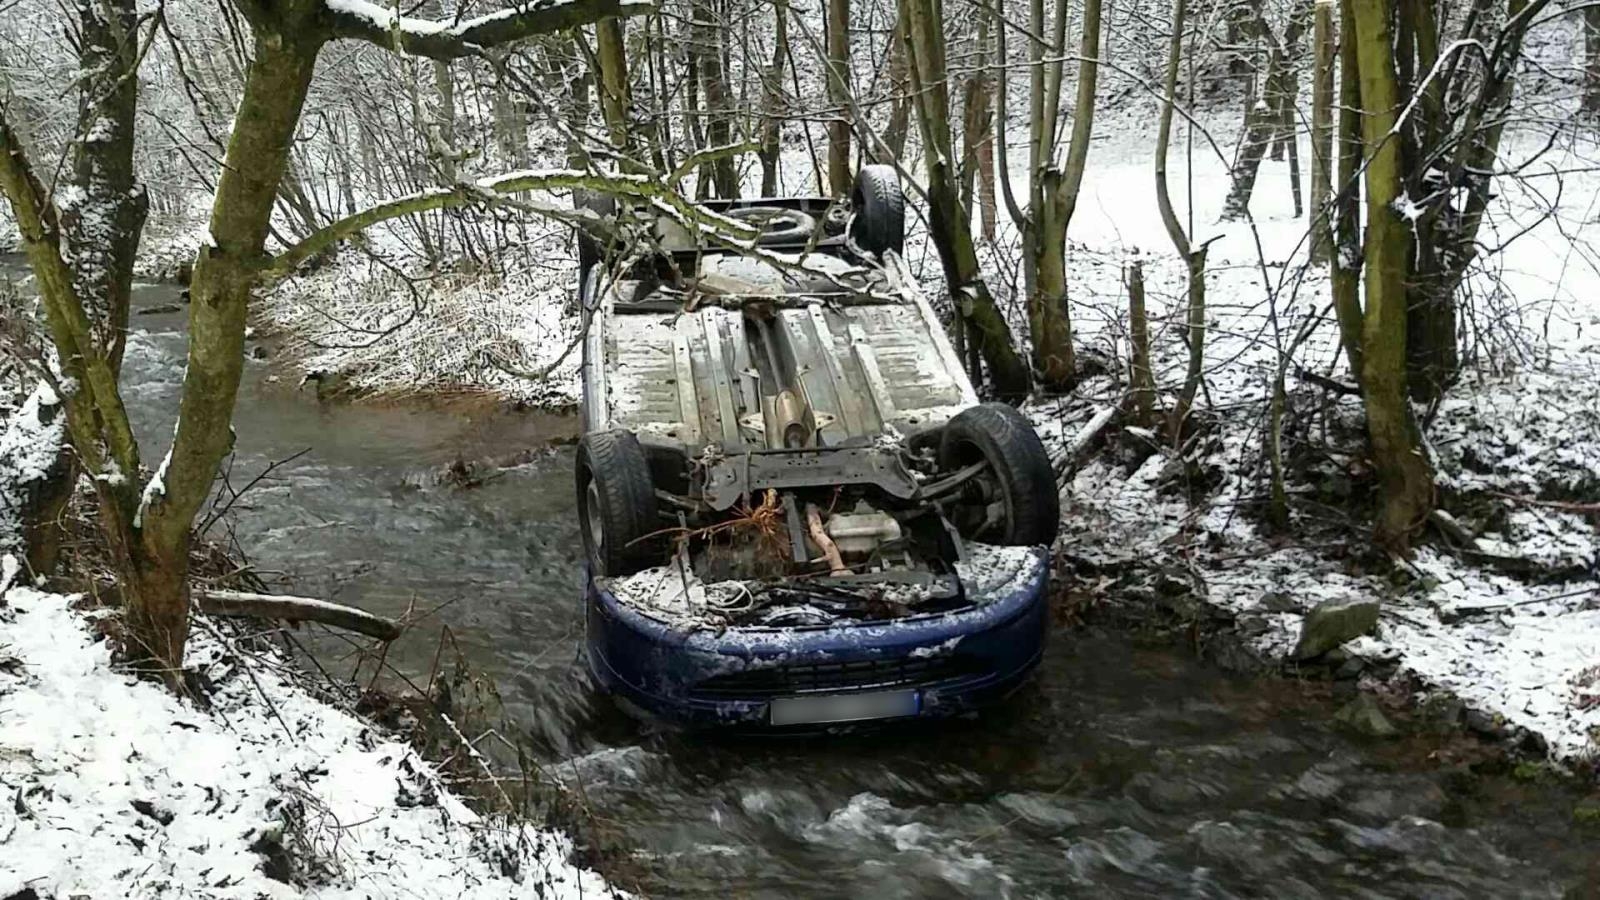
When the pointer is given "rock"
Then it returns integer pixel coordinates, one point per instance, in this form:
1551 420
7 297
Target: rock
1442 712
1332 623
1278 602
1350 669
1484 723
1364 717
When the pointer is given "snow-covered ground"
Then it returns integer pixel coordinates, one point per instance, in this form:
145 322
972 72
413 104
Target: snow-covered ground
117 788
1512 627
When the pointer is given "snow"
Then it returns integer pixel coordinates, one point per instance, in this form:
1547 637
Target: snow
389 19
155 487
1512 630
28 446
117 788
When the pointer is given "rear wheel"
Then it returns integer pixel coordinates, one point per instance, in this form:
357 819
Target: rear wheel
616 503
879 210
1013 499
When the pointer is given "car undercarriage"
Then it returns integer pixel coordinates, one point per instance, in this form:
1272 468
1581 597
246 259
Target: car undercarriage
786 436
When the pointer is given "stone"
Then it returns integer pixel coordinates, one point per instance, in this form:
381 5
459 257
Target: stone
1484 723
1443 712
1334 622
1279 602
1364 717
1350 669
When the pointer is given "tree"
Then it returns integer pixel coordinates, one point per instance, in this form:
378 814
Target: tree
773 100
1194 257
1053 184
707 47
147 523
923 25
840 173
1267 109
1323 41
1403 470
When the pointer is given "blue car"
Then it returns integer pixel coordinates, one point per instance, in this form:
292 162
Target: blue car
796 513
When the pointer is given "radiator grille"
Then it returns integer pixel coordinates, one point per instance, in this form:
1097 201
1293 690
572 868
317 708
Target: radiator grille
842 676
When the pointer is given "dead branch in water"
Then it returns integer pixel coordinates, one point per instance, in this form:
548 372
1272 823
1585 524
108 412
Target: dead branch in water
296 609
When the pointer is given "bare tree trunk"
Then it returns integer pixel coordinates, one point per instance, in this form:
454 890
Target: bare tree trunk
923 21
1265 114
1591 59
510 119
840 176
442 141
1345 262
978 130
1141 380
1403 470
616 93
894 136
1057 199
1323 40
707 47
774 103
1194 257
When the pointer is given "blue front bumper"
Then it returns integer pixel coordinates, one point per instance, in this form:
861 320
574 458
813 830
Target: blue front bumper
957 661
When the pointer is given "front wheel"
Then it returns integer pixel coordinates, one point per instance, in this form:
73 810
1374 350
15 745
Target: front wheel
1013 499
616 503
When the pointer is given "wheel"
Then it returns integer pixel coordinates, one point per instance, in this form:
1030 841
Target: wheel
1013 500
616 503
591 245
777 225
879 209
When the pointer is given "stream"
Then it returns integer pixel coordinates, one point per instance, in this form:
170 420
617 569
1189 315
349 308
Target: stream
1121 770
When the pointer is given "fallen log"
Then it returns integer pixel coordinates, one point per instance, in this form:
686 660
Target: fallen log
1074 453
295 609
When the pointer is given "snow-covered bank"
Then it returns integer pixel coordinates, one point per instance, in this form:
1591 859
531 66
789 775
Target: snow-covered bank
116 788
1511 623
508 328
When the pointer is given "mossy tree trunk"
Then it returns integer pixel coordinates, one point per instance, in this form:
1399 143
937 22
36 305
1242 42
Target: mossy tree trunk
101 229
923 21
1404 472
1345 261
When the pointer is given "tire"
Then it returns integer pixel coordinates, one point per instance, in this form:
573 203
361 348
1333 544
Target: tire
777 225
879 209
592 247
1019 480
616 503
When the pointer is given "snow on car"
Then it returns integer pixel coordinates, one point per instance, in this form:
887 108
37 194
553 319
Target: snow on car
795 510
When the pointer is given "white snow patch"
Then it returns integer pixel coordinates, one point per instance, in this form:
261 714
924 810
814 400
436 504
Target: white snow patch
116 788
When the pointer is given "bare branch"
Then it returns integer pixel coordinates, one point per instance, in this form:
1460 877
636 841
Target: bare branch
384 26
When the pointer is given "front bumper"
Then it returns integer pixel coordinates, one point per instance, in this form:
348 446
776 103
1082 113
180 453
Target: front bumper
958 662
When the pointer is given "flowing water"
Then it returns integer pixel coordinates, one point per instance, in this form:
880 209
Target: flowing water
1119 771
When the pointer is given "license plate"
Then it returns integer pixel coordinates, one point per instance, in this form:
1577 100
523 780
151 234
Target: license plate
824 708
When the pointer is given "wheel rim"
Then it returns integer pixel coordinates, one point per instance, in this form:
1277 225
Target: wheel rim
994 514
594 529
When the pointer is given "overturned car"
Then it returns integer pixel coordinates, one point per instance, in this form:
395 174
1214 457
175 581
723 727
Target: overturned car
796 513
